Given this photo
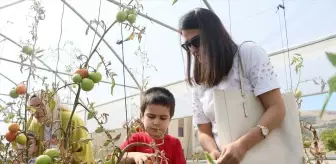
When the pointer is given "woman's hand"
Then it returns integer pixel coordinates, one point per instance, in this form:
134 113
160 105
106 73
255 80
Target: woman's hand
232 153
215 155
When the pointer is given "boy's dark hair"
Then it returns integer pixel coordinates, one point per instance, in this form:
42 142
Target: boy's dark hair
158 96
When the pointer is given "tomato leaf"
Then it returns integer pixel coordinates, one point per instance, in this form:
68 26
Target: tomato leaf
174 1
112 85
332 84
107 142
332 88
332 58
117 137
209 158
99 64
99 130
91 114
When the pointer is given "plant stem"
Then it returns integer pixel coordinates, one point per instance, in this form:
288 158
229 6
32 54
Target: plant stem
102 37
107 44
67 131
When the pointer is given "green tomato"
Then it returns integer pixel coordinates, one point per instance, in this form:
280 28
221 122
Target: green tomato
87 84
52 152
129 11
27 50
121 16
131 18
13 94
43 159
96 77
76 78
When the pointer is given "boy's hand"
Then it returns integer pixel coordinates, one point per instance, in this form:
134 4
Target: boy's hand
143 158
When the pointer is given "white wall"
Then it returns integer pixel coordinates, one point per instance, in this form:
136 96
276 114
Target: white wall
117 114
315 64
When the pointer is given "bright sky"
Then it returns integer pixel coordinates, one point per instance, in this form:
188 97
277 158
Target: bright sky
256 20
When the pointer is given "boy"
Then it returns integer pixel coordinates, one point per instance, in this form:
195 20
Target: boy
157 108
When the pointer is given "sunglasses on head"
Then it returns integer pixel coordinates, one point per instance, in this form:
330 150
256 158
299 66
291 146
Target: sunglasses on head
195 42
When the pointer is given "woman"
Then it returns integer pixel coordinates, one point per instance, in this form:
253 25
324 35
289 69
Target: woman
216 66
50 115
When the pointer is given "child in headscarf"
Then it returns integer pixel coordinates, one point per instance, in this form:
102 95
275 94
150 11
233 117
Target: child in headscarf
49 116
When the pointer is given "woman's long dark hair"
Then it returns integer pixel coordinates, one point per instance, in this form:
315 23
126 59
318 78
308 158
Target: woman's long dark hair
217 48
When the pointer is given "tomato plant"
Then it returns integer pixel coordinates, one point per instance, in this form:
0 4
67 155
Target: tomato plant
84 78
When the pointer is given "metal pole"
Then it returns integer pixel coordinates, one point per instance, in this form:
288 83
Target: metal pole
8 78
51 70
45 65
11 4
146 16
208 5
107 44
3 94
314 94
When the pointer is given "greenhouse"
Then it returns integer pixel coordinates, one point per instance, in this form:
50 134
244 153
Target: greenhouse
100 62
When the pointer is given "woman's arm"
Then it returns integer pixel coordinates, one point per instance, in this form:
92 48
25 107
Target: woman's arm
272 118
263 79
204 125
205 137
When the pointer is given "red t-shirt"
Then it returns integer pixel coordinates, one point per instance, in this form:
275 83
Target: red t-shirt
172 147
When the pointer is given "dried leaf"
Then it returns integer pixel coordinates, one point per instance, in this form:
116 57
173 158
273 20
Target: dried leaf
139 37
131 36
116 138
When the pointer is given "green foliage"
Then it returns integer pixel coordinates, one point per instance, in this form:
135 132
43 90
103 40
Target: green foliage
331 82
209 158
329 139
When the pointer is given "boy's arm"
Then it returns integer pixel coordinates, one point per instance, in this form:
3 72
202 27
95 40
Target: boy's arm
128 157
179 154
132 157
